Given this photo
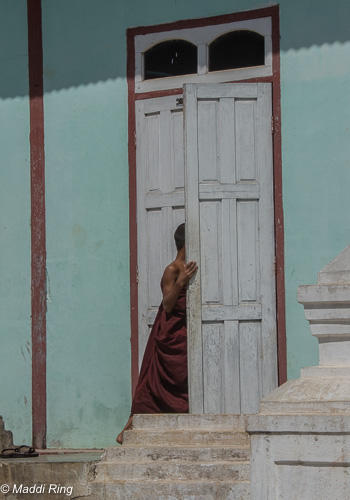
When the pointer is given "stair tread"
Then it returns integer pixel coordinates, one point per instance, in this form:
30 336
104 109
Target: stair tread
183 429
182 446
189 429
170 481
179 462
213 434
183 420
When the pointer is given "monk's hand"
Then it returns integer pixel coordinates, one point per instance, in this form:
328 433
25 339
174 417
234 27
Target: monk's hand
187 272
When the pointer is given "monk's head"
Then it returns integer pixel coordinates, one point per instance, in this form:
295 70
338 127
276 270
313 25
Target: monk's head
179 236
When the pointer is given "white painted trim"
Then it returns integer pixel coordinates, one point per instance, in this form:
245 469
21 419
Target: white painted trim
245 321
202 37
141 222
192 239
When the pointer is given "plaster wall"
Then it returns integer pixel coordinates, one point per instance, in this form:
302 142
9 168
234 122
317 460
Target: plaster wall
286 465
15 323
85 106
87 178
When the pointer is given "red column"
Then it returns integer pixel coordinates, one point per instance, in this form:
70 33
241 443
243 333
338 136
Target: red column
38 237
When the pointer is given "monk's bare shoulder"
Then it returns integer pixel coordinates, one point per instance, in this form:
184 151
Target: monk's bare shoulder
170 274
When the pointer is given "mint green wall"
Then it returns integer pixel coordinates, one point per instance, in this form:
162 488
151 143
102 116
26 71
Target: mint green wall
88 330
15 326
316 176
88 349
87 189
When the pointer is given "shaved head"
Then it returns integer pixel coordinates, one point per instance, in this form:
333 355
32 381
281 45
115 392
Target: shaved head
179 236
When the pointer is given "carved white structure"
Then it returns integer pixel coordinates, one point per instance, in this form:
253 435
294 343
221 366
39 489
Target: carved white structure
301 436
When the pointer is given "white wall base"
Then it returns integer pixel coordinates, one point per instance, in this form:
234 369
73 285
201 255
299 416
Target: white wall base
300 457
300 440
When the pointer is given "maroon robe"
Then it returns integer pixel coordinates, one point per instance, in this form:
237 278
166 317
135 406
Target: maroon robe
162 385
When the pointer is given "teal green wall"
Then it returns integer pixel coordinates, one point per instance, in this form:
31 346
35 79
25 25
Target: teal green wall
15 326
87 189
85 105
88 348
88 325
316 176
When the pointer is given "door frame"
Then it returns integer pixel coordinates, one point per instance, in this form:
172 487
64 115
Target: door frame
272 12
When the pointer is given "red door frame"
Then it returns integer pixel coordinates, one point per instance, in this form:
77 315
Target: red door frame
38 231
272 12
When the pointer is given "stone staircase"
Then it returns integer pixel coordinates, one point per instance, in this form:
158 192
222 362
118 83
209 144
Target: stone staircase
169 457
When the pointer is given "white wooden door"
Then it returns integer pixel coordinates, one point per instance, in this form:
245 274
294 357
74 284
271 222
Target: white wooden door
160 199
230 233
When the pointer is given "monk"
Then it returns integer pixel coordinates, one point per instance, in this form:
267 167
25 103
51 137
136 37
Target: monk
162 385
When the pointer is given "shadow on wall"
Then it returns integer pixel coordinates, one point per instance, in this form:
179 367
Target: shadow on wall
85 40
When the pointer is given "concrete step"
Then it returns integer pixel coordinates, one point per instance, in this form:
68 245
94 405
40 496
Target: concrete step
218 471
169 490
185 437
188 421
180 453
68 470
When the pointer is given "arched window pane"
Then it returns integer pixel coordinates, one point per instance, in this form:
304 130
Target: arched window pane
171 58
237 49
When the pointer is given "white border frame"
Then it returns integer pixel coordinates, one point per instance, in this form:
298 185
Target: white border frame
202 37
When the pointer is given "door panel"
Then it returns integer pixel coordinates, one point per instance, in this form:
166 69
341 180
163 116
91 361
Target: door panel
227 144
230 233
160 199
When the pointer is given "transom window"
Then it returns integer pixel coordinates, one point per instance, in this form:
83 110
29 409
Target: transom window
238 49
217 53
170 58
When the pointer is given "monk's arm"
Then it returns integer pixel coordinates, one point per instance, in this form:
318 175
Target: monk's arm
170 287
173 282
